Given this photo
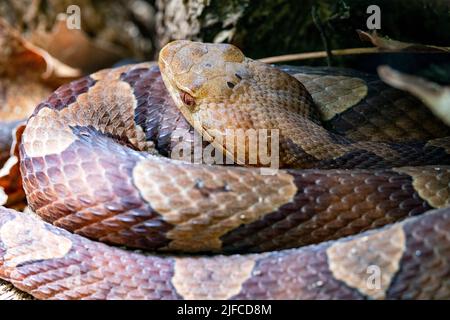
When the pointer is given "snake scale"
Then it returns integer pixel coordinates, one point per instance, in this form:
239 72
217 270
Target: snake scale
364 183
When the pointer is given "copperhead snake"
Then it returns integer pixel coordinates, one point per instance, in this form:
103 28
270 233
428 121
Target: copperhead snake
359 186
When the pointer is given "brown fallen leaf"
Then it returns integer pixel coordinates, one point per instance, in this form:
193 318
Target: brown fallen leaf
28 74
75 48
384 43
436 97
19 57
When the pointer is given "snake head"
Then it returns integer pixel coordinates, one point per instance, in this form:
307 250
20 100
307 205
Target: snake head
218 90
200 76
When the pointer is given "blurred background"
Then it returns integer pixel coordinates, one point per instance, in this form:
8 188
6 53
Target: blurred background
134 30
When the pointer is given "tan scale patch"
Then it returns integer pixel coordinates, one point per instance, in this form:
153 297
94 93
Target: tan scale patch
47 133
333 94
205 202
322 147
26 239
108 106
351 261
219 278
432 183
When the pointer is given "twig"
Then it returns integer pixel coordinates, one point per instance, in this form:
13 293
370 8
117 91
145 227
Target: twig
337 52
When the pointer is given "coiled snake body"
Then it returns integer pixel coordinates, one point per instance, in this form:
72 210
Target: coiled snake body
90 158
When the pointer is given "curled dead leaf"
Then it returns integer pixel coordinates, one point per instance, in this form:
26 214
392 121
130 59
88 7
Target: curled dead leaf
19 57
436 97
75 48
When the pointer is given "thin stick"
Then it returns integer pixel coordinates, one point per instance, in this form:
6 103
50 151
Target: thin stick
323 54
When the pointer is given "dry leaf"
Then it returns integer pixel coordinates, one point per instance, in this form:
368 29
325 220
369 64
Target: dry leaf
436 97
76 48
384 43
20 57
28 74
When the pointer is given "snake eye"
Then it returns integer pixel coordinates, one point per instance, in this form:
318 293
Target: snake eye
187 99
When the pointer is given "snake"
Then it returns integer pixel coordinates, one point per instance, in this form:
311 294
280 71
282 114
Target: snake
357 206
